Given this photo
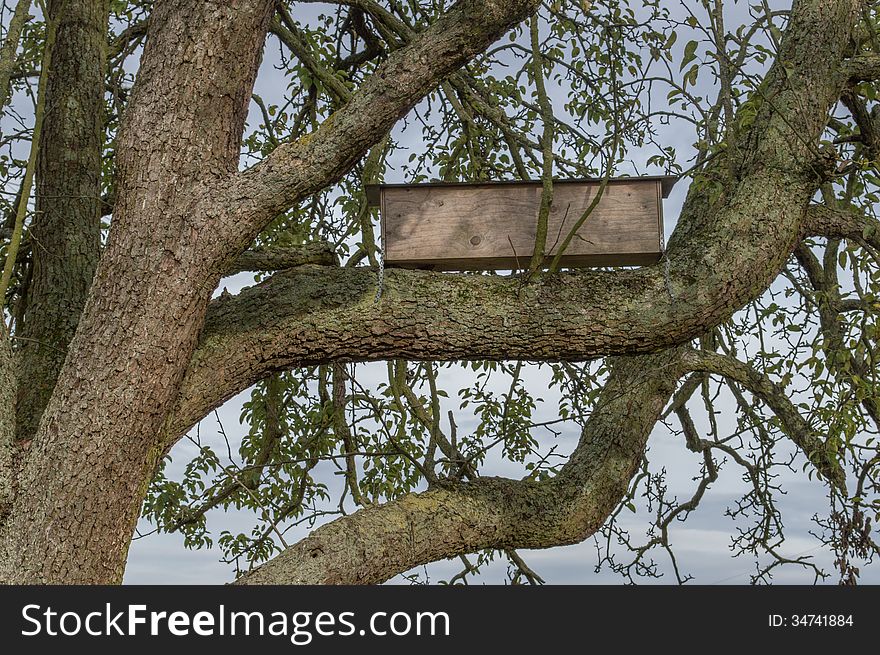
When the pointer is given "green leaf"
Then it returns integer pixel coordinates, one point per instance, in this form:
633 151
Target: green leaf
690 53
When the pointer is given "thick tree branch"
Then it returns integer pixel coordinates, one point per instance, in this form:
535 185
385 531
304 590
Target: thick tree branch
319 314
315 315
869 130
863 68
847 223
374 544
135 31
724 253
10 45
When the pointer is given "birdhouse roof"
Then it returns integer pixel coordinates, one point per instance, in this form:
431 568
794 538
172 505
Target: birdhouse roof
666 184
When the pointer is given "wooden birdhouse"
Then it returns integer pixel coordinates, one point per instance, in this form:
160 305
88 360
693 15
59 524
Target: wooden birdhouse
457 226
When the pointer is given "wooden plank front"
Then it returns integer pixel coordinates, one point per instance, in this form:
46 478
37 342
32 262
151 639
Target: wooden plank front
478 227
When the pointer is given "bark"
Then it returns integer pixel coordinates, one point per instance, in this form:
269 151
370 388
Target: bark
375 544
279 258
66 228
842 223
96 445
864 67
8 386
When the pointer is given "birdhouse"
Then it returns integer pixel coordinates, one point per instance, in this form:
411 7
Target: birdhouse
491 225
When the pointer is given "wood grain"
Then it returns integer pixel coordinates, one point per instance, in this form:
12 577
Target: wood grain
484 227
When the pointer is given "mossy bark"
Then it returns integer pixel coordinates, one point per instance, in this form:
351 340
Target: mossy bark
65 233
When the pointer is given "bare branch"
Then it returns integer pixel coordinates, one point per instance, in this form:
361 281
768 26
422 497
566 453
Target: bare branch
286 31
279 258
794 425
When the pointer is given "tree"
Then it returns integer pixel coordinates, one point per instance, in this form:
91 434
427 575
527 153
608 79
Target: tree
117 346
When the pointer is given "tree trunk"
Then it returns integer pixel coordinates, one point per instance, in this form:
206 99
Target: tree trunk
182 215
95 452
65 233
